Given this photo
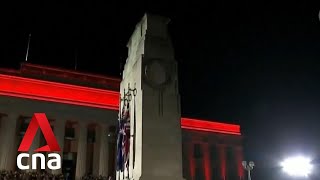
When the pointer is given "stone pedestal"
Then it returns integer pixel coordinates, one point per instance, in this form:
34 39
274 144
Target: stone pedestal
161 141
82 150
8 146
152 70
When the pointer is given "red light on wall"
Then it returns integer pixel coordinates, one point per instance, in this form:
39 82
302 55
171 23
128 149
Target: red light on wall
201 125
58 92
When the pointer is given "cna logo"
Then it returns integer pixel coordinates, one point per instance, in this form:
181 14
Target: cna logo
39 120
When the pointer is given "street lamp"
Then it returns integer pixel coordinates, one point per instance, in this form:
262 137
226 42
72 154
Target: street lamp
297 166
248 167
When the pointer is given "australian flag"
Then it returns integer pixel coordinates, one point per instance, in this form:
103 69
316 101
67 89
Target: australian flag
123 141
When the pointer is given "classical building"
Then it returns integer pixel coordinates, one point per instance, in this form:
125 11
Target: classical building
83 111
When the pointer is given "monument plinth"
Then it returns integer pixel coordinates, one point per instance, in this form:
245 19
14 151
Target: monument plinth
151 69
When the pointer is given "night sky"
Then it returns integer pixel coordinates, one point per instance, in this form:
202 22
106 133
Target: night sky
254 63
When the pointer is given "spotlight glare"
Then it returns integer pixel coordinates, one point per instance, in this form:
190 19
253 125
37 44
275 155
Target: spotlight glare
297 166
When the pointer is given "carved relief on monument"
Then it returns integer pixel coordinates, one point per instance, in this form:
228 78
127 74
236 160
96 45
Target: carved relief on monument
157 73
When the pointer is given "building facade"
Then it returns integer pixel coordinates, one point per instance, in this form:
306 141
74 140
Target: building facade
83 112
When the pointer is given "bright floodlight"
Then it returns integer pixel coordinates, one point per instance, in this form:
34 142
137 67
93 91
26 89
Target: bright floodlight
297 166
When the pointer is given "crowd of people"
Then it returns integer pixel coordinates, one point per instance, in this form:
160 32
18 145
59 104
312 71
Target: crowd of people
92 177
19 175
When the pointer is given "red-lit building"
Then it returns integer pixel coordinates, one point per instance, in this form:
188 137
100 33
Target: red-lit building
80 106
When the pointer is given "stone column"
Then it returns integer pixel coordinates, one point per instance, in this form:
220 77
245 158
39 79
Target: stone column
82 150
96 151
8 145
59 131
191 161
239 158
35 145
223 163
206 161
104 151
101 151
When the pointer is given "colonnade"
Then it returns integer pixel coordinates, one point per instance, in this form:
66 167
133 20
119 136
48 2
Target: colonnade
205 162
9 131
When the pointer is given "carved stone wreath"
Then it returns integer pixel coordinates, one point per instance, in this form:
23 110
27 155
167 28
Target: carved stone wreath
157 73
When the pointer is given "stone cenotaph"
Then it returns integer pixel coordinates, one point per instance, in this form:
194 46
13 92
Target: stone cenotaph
151 70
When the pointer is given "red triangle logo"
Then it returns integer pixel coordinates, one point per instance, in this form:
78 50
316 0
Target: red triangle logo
39 120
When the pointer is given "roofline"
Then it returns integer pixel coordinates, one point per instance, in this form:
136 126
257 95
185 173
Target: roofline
69 71
34 89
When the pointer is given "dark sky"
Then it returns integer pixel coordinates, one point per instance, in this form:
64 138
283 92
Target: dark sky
250 62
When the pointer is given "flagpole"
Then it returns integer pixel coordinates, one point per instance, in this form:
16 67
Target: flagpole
117 158
123 160
120 66
129 139
27 54
122 139
76 59
123 135
134 130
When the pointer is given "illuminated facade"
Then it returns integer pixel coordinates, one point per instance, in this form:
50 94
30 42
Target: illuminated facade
81 107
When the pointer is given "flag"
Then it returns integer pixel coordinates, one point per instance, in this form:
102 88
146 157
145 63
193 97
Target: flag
120 136
119 146
126 139
123 140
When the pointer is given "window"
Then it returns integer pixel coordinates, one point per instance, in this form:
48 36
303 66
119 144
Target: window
91 136
197 151
69 133
24 125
